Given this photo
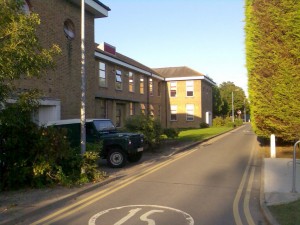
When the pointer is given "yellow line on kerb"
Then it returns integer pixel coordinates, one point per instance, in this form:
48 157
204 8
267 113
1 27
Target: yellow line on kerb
108 191
237 198
248 194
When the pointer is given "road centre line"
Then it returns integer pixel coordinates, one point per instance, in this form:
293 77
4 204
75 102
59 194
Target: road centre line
237 198
93 198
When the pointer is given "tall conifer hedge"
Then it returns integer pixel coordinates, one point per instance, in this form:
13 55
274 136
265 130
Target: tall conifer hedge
273 64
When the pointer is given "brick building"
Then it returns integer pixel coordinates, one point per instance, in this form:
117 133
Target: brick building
189 97
61 88
116 85
127 87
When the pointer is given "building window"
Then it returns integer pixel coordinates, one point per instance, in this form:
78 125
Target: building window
158 112
102 75
142 85
158 88
131 82
118 118
27 7
151 111
131 108
189 112
69 29
173 88
143 109
173 112
150 86
189 88
103 108
118 80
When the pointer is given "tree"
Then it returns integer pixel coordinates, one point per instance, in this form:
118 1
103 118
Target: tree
21 53
220 105
229 91
272 59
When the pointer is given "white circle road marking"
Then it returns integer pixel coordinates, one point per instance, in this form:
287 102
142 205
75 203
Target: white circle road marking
136 208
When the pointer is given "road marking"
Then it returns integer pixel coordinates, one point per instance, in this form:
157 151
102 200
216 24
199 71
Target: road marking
247 195
237 198
101 194
136 208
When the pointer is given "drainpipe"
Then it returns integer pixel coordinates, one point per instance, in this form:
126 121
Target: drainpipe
148 97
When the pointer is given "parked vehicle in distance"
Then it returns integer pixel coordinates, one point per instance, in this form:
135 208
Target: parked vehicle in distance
118 147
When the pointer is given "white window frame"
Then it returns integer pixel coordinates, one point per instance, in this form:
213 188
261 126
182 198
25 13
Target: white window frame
131 108
119 83
142 85
131 82
143 109
190 109
173 87
173 111
150 86
189 88
151 110
102 75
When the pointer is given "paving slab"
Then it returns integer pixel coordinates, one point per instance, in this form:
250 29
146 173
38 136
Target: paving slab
278 181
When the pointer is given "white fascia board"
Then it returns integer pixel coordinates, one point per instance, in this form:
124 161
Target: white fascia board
98 9
185 78
157 77
191 78
121 63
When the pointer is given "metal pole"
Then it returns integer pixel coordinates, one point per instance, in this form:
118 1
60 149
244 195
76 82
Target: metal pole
232 106
294 168
83 81
244 110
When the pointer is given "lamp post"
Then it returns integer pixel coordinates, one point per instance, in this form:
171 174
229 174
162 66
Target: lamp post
232 107
244 110
83 81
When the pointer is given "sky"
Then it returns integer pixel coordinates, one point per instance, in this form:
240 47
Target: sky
205 35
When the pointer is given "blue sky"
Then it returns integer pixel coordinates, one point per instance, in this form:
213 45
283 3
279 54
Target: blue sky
205 35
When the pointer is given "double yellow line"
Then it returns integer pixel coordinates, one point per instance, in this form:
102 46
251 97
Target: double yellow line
238 195
71 209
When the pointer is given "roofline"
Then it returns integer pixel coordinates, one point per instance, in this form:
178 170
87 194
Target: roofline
191 78
97 8
127 65
70 121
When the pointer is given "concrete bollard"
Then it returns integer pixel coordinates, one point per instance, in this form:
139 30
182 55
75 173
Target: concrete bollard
273 146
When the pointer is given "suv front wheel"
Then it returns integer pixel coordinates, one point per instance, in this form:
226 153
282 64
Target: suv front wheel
116 158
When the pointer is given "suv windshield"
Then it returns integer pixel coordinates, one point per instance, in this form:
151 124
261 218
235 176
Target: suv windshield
104 125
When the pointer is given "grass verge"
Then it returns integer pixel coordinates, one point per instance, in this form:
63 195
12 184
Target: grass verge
201 134
287 214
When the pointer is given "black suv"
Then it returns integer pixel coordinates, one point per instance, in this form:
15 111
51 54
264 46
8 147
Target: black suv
118 147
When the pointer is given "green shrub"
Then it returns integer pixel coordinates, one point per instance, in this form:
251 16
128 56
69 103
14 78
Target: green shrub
227 122
204 125
149 127
38 156
171 132
218 122
238 122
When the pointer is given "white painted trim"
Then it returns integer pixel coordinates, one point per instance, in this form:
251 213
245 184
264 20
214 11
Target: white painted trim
157 77
129 66
191 78
121 63
97 7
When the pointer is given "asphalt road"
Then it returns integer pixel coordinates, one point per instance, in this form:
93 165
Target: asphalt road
214 183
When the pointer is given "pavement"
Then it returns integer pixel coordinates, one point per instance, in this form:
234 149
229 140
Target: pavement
276 186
